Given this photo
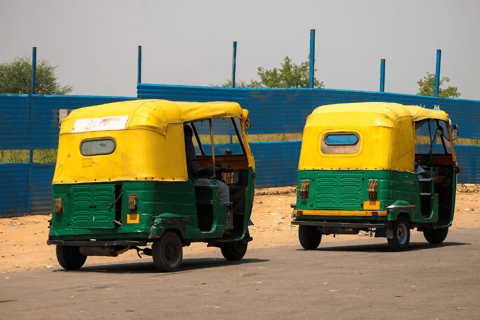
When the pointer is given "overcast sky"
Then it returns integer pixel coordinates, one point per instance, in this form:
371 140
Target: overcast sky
95 43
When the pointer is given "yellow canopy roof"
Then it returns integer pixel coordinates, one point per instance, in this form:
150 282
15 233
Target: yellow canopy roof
145 114
385 132
372 113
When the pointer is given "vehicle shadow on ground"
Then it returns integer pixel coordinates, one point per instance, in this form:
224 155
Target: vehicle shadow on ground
149 267
413 246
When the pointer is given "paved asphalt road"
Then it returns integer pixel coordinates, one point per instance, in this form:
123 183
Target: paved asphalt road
345 280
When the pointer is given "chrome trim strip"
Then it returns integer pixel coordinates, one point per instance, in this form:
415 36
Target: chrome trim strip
396 206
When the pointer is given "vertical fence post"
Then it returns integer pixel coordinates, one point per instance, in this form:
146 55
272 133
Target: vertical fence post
437 72
139 76
34 69
32 92
234 63
382 75
234 70
312 58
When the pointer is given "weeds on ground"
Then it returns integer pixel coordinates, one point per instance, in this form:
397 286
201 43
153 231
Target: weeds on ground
39 156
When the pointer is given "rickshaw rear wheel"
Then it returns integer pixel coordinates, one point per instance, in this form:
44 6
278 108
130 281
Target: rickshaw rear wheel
168 252
70 257
309 237
234 251
436 236
401 235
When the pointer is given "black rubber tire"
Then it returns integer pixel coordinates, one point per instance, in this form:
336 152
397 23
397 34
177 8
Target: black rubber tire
234 251
70 257
436 236
168 252
309 237
401 235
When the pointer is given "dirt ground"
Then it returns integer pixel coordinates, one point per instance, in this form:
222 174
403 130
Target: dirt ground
23 239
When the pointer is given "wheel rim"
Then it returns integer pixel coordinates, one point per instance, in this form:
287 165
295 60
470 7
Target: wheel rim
171 252
402 233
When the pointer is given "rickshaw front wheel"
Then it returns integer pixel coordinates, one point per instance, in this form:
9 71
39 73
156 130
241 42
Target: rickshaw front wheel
309 237
70 257
401 235
234 251
168 252
436 236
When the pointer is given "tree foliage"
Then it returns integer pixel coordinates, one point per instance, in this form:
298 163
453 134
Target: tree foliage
16 78
427 87
289 75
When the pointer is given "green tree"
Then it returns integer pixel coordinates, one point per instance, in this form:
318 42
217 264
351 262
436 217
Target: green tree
16 78
289 75
427 87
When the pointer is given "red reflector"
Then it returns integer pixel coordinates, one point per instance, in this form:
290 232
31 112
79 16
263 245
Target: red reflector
299 212
59 205
304 190
372 189
374 214
132 202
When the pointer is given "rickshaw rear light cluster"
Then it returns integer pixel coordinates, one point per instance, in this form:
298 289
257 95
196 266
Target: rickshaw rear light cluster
372 189
59 205
304 190
132 202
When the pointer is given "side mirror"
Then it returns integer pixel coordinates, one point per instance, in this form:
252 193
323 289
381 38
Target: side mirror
454 132
248 125
439 131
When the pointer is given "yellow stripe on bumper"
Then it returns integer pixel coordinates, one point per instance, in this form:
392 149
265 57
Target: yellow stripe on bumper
341 213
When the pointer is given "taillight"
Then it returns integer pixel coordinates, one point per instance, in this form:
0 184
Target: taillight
372 189
132 202
59 205
304 190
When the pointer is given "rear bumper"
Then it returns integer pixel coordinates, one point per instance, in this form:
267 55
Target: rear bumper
97 243
350 225
340 213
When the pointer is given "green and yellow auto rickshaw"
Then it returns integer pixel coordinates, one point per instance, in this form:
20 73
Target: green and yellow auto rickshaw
382 168
121 181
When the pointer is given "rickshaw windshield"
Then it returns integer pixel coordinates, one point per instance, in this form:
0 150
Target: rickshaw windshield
226 137
435 131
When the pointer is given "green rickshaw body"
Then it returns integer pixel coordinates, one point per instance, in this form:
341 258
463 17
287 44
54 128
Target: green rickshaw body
376 167
121 181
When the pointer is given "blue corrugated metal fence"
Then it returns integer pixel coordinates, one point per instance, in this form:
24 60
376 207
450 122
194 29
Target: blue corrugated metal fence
286 110
31 122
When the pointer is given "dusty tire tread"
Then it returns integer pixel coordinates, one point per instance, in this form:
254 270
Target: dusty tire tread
309 237
69 257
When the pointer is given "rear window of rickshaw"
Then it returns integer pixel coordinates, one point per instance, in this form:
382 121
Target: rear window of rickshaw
97 147
340 143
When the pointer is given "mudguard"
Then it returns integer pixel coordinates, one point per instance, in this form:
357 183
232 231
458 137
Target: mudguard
168 221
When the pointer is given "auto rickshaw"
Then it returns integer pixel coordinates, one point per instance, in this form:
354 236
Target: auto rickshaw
382 168
121 181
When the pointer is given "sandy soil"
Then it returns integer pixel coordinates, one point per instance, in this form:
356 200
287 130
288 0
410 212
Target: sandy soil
23 239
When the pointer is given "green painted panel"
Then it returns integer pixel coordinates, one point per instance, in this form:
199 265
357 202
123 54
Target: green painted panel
99 211
346 190
83 202
92 206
